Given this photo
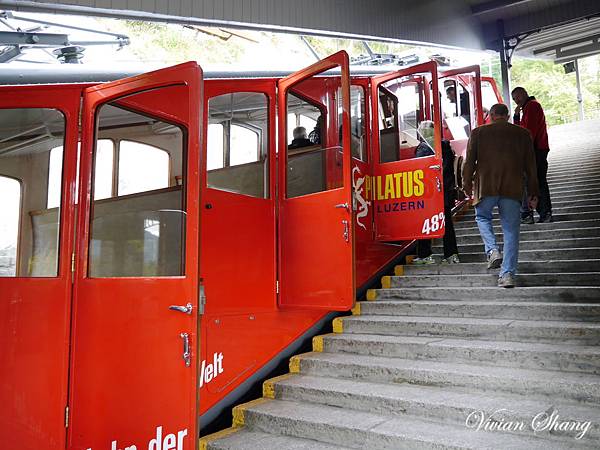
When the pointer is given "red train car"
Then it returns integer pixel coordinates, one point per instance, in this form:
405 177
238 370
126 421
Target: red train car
166 240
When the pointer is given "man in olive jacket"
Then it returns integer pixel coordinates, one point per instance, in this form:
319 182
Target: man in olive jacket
499 155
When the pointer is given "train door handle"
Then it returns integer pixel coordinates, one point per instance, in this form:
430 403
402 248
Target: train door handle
187 357
346 226
342 205
187 309
435 167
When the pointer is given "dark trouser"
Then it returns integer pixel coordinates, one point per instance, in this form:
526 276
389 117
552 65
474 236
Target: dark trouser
544 207
450 247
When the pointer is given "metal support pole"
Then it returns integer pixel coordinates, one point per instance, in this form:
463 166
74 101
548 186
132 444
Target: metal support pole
504 65
581 114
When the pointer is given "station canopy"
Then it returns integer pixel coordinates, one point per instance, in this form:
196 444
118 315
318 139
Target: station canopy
557 29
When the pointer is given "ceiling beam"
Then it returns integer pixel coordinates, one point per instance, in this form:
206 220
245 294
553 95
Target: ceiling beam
495 5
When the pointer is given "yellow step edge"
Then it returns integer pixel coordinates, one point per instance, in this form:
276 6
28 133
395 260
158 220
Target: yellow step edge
239 411
371 294
356 310
209 438
399 271
386 282
295 364
317 344
338 325
269 385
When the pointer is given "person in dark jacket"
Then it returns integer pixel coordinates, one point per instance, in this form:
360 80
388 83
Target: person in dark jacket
300 140
529 114
425 148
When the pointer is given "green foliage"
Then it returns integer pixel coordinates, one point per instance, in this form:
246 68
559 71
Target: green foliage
555 90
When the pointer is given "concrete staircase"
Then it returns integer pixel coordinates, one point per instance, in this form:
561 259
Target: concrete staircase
439 350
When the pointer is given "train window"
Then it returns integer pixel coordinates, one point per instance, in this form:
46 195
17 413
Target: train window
399 120
358 138
29 228
141 231
314 161
104 161
488 98
156 168
10 205
237 144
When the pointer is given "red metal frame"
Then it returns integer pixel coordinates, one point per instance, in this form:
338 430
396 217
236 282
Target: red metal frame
242 304
34 360
315 219
105 319
391 222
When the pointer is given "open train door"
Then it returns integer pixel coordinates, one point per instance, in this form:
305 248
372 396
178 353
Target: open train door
38 159
134 342
316 235
406 190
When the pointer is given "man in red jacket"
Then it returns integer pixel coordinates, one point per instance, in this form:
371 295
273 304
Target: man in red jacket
530 115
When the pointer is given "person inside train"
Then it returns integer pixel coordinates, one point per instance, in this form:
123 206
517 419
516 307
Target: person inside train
425 133
300 140
315 134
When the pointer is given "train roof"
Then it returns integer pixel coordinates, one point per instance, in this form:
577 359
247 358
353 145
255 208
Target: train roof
78 73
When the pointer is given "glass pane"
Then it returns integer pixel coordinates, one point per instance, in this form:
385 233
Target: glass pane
10 205
488 98
141 230
244 145
314 161
54 177
402 133
103 169
142 167
357 126
29 224
242 142
214 150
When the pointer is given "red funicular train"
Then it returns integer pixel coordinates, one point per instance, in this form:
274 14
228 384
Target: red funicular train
165 243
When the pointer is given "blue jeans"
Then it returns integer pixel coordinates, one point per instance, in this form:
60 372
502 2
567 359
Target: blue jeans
510 218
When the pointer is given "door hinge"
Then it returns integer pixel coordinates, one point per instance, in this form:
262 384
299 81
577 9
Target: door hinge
201 299
66 417
72 262
277 287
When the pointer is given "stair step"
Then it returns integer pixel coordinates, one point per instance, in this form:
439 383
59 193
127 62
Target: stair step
452 406
569 294
543 254
243 438
550 244
491 279
538 266
556 386
566 253
559 214
524 355
573 220
536 235
579 194
587 333
543 311
363 430
470 227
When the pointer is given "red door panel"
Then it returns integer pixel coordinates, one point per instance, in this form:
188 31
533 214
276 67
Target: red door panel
134 359
316 230
34 311
407 192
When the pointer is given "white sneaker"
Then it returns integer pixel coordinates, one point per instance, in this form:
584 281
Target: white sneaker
422 261
494 259
451 260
